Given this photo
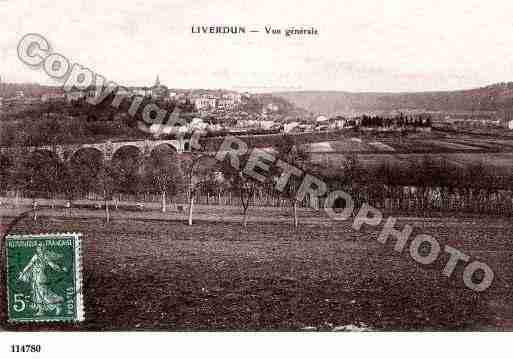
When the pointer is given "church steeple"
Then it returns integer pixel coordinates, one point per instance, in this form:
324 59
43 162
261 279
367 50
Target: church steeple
158 90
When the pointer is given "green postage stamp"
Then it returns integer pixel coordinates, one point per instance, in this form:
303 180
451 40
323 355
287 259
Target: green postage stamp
44 277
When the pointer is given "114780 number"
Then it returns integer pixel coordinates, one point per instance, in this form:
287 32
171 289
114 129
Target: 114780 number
27 348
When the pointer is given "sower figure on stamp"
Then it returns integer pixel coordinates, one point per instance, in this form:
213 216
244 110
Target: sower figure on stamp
43 298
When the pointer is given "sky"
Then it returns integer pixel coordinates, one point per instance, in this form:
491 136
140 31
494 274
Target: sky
392 46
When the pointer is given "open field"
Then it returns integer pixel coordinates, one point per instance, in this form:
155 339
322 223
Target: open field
435 142
373 149
501 163
351 140
148 274
459 150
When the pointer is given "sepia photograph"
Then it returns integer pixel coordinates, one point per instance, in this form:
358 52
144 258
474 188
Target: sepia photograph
255 167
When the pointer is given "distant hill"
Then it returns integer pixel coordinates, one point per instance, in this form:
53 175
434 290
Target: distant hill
490 98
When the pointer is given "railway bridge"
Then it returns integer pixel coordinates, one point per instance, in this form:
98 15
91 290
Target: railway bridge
106 151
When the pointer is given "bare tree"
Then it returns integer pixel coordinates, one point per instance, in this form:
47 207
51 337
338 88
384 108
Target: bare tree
5 165
105 181
127 173
290 152
45 174
18 173
69 183
164 175
243 185
199 173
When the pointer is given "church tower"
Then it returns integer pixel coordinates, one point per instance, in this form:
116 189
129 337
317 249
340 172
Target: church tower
159 91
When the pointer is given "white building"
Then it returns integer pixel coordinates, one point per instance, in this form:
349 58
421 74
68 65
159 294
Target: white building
205 103
75 95
197 124
510 125
142 91
226 103
321 119
120 91
266 124
246 123
337 122
52 97
290 126
271 107
234 97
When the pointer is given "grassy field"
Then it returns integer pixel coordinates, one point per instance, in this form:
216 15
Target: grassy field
147 274
501 162
431 142
374 149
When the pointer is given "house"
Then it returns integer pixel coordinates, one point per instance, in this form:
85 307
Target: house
306 127
226 103
270 107
509 125
52 97
246 123
337 122
197 124
321 119
233 97
142 91
120 91
75 95
321 127
205 102
266 124
290 126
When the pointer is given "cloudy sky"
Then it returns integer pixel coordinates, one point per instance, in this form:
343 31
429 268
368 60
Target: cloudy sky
362 45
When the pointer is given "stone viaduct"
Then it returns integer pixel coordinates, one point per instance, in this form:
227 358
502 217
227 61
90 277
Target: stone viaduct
108 149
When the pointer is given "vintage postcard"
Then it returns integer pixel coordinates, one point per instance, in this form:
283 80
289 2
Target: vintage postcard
256 166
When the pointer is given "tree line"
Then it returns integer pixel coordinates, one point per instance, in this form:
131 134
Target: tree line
424 186
428 185
396 121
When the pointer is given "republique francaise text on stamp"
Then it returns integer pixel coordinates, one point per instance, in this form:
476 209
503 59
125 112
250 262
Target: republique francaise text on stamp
44 277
